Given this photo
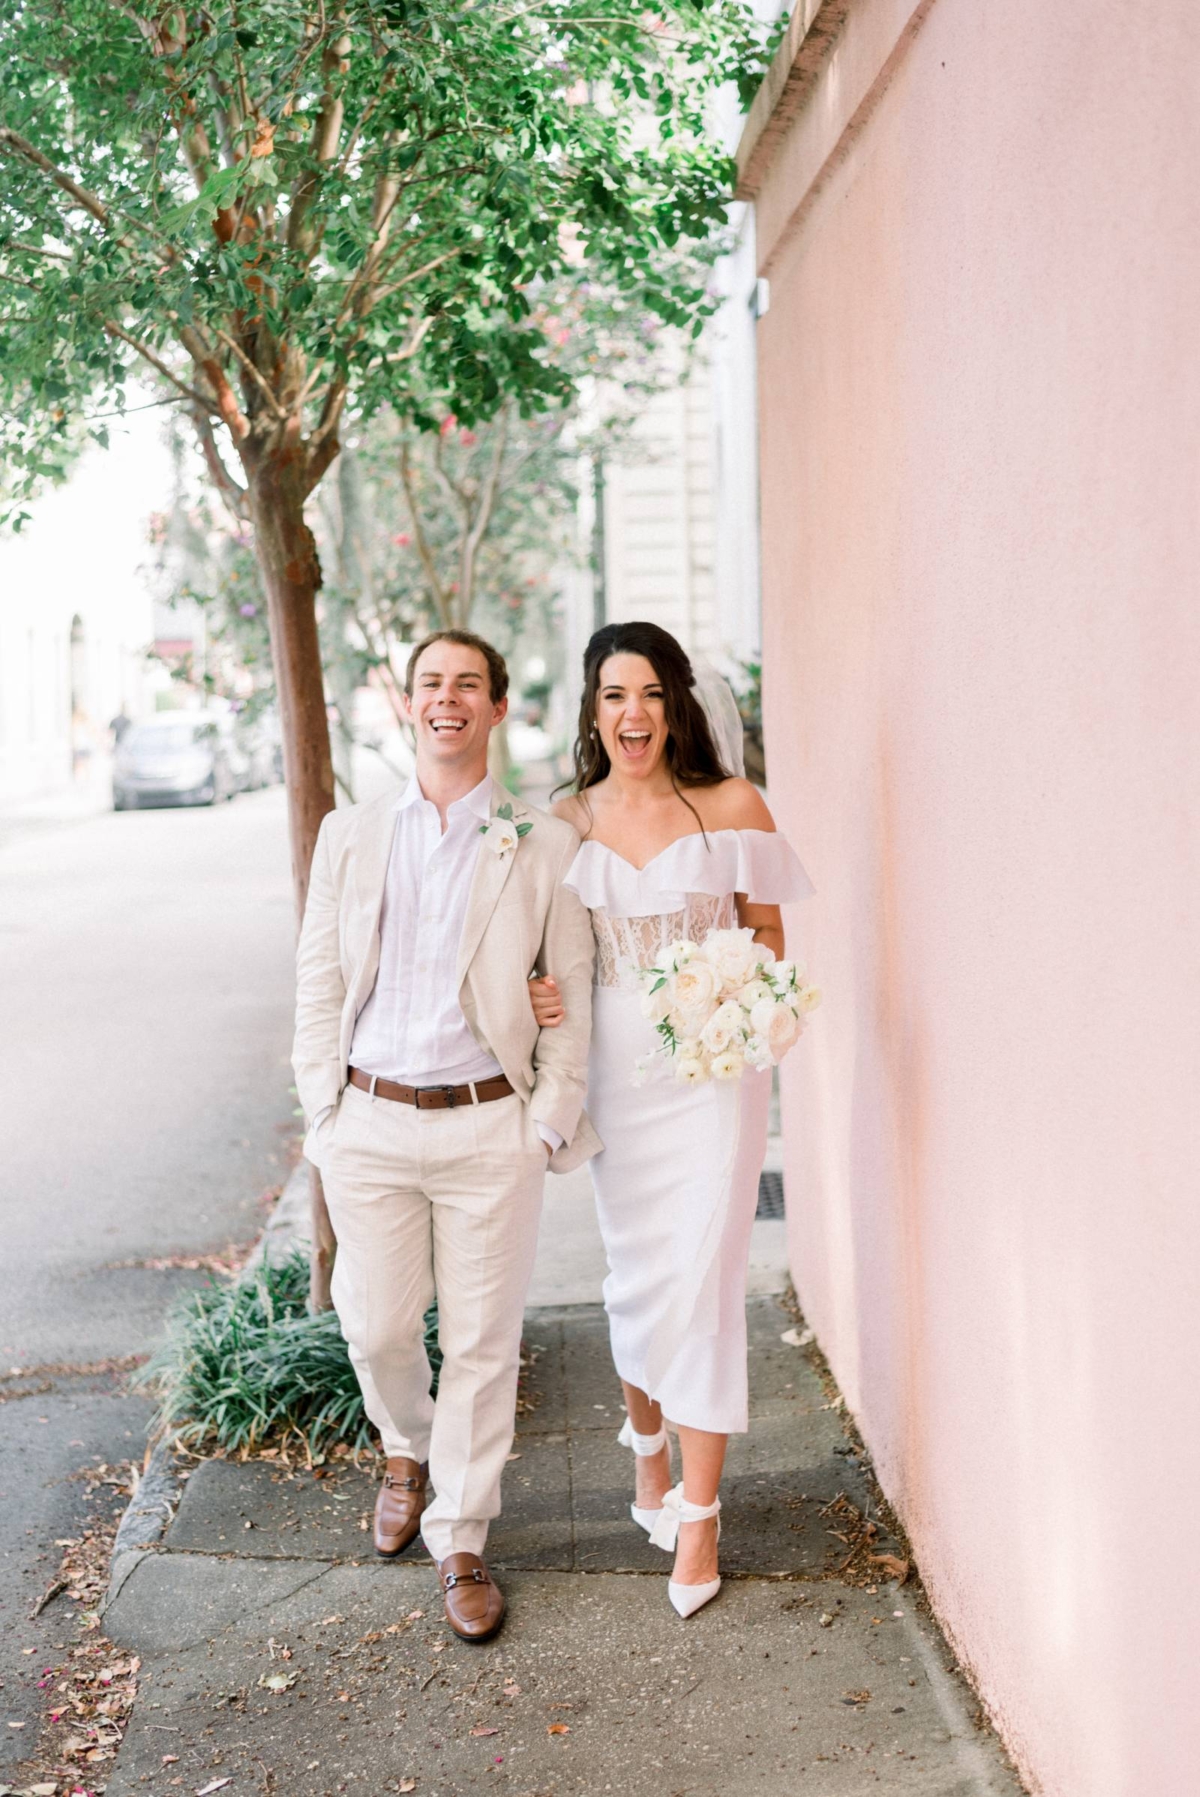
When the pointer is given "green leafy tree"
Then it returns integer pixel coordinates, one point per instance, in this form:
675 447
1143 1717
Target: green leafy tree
291 210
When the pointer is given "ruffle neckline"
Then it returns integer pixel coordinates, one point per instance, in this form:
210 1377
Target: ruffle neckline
760 863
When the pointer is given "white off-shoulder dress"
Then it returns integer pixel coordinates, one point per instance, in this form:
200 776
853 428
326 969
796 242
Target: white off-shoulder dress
677 1182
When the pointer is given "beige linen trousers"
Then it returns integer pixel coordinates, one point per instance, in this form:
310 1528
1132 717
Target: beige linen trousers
445 1201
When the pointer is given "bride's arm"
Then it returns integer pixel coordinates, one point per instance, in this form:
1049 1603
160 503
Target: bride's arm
742 807
765 920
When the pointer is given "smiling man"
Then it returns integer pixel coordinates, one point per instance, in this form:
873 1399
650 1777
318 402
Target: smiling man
435 1104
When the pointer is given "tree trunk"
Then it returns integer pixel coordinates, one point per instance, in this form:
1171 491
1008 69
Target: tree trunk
291 574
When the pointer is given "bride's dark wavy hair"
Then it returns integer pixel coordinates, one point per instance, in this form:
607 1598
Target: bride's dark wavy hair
691 753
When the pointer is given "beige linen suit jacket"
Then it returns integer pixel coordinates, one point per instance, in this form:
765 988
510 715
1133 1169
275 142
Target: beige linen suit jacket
520 918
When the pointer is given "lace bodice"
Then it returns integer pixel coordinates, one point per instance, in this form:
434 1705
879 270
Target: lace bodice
623 944
687 890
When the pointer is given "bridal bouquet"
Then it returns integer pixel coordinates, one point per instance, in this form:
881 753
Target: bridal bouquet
725 1004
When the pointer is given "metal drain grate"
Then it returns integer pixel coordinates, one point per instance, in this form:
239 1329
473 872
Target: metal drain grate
770 1195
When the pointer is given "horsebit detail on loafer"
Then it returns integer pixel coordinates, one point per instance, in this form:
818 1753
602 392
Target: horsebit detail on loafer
476 1576
402 1484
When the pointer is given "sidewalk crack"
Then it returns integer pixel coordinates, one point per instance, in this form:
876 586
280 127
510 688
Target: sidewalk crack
562 1368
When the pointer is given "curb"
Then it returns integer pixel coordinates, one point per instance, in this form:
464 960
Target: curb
146 1520
288 1225
153 1505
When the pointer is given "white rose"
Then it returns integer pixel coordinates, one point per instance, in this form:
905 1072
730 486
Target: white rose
753 993
763 1015
728 1065
758 1053
656 1004
777 1024
723 1027
501 836
696 986
733 955
690 1070
691 1048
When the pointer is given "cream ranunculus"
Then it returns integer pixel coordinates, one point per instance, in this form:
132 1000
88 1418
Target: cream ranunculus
728 1065
810 998
690 1070
724 1027
753 993
695 987
733 955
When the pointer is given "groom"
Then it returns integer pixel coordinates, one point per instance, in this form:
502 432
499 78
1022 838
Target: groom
434 1105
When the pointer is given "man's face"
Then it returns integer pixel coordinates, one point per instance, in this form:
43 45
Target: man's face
451 708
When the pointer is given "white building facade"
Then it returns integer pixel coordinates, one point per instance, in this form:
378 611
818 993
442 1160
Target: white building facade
76 616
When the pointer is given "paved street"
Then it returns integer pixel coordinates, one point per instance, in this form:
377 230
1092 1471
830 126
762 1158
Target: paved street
146 972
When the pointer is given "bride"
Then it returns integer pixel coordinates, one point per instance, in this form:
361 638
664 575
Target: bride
674 845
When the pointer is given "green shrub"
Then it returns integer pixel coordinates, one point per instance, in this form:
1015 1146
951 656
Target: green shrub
245 1363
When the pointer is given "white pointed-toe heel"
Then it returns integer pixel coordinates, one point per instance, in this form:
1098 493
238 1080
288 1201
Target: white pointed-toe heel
645 1445
685 1599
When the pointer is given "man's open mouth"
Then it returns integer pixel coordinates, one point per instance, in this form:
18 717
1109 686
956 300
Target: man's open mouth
447 726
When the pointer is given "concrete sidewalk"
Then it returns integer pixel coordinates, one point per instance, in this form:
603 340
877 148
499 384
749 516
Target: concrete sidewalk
279 1656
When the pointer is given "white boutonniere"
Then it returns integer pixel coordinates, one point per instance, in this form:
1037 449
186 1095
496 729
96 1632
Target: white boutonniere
500 832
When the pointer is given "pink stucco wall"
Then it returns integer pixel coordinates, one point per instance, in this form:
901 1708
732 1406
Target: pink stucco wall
980 406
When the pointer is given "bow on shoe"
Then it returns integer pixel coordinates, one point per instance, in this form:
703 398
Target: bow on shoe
665 1532
676 1509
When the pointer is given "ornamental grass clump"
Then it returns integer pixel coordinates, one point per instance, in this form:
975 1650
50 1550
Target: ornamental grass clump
246 1364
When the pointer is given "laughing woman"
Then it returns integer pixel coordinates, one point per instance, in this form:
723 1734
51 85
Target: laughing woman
673 846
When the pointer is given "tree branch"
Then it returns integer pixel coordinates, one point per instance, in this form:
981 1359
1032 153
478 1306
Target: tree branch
224 399
89 201
156 362
231 491
483 517
323 147
254 373
422 541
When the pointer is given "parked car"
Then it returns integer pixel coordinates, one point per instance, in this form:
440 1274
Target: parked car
177 758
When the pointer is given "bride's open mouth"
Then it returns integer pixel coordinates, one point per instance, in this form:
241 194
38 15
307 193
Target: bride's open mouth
634 743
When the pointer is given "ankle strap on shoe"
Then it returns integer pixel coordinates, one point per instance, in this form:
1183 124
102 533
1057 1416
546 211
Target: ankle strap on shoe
642 1444
676 1509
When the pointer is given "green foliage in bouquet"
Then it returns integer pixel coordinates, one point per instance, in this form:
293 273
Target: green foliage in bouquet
245 1364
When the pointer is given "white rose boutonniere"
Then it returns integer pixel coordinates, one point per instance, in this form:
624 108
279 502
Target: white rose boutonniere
500 832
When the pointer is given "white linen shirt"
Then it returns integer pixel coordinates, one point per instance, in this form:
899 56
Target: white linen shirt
412 1029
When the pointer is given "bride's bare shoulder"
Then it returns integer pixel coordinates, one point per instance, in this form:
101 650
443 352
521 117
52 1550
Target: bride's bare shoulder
736 805
573 811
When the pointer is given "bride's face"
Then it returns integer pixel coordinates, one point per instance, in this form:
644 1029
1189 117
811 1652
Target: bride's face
630 715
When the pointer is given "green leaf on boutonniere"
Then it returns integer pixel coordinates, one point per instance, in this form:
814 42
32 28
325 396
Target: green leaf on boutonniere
524 829
504 811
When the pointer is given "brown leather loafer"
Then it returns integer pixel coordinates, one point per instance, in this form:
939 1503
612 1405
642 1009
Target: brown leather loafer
402 1498
474 1602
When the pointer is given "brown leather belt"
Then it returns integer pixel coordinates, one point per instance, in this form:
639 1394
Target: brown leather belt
432 1098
